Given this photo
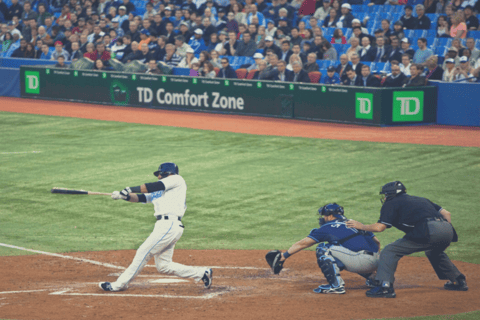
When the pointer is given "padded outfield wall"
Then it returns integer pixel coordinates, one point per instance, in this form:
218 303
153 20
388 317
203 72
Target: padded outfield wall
358 105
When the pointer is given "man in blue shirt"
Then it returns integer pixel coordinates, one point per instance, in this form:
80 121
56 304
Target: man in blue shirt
332 77
340 248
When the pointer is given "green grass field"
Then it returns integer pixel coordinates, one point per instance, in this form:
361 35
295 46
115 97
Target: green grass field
244 191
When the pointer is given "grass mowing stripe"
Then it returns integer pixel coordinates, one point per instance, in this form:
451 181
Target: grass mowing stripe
244 191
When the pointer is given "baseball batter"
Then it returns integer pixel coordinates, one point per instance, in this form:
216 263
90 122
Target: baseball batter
427 228
340 248
168 196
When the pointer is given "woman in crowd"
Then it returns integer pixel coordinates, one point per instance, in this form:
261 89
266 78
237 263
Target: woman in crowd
99 65
215 59
443 31
90 54
459 28
208 70
301 29
430 6
449 73
260 38
203 57
308 37
386 28
30 51
354 48
337 6
338 37
331 20
398 30
329 51
240 16
7 42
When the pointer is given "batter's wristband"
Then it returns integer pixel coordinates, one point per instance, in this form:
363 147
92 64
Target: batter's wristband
286 254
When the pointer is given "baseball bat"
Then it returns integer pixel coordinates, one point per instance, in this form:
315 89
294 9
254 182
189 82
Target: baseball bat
71 191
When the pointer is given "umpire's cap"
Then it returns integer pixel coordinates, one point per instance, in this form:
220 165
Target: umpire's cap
393 188
166 168
331 208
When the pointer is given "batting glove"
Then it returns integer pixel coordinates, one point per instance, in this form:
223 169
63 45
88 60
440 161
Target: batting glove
117 196
125 192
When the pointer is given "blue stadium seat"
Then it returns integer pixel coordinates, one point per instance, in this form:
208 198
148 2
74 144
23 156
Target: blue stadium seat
387 68
432 33
432 16
443 42
375 9
324 72
357 8
474 34
440 51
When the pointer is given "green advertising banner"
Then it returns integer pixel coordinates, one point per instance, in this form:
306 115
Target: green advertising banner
370 106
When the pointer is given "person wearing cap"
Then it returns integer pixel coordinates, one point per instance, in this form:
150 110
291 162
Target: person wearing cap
196 42
144 37
331 77
398 30
122 15
345 20
449 72
408 20
128 6
464 71
247 47
423 53
322 12
423 22
269 44
255 66
59 51
405 45
188 60
433 71
181 46
222 19
452 53
396 79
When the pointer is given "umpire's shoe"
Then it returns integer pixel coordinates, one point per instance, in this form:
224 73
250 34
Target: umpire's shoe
105 286
207 278
383 291
327 289
458 285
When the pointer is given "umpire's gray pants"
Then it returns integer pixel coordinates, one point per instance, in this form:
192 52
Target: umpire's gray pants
441 234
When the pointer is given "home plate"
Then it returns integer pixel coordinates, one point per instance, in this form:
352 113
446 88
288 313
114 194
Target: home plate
168 281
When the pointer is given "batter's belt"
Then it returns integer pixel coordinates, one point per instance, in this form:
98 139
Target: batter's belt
166 218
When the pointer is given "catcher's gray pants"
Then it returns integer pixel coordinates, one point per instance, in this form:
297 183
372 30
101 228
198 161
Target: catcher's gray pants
358 262
441 234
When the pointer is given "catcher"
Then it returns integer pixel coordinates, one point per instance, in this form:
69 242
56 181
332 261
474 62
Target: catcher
340 248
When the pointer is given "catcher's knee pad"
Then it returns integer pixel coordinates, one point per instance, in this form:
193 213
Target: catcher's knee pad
322 249
330 270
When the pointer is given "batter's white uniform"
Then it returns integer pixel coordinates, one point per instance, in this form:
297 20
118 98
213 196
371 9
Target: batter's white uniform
170 203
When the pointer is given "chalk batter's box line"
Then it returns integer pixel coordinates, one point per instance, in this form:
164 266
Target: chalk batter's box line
204 297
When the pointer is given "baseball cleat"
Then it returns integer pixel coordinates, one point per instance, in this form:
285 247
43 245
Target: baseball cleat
105 286
370 283
381 292
459 285
328 289
207 278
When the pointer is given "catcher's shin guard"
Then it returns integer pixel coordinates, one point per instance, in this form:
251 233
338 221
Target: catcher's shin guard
329 267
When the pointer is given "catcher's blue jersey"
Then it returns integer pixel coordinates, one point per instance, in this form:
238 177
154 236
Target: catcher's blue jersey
334 231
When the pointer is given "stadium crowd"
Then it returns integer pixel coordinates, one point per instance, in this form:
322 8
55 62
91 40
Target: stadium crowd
349 43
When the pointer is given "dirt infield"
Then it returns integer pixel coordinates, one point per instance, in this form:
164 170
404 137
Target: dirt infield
49 287
68 289
432 135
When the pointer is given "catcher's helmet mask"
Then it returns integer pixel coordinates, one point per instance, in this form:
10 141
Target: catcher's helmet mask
166 169
331 209
391 190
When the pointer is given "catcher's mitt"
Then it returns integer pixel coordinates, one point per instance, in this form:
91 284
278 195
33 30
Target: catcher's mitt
273 260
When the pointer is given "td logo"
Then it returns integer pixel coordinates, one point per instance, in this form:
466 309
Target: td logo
407 106
364 105
32 82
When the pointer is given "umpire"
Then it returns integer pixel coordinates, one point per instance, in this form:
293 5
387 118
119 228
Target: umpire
428 228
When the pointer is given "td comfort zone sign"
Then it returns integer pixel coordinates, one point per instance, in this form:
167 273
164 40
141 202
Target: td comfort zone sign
407 106
32 82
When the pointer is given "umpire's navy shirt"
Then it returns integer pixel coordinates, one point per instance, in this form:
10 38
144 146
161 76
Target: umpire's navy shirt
336 230
405 211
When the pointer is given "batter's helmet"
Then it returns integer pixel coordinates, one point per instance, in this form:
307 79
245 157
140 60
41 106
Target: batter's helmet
166 169
391 190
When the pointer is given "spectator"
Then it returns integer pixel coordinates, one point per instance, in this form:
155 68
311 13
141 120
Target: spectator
286 51
76 53
181 46
260 38
329 51
409 21
355 48
318 47
398 30
271 69
220 47
129 6
331 77
61 62
293 58
353 78
395 51
386 31
188 60
331 20
60 51
415 80
342 68
259 15
406 48
322 12
257 57
12 28
197 43
226 71
298 74
171 58
118 49
207 29
282 74
169 32
230 47
99 65
405 65
338 37
262 65
144 36
382 52
215 59
203 57
367 53
101 53
153 68
459 28
356 64
368 79
434 71
423 22
208 70
311 64
46 55
396 79
357 23
247 47
474 52
457 44
237 10
90 54
28 13
296 50
15 10
452 54
449 73
464 71
29 51
423 53
7 42
443 29
270 45
470 20
345 20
